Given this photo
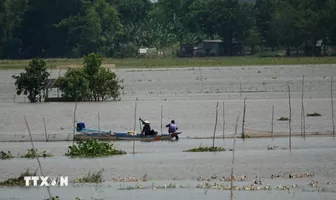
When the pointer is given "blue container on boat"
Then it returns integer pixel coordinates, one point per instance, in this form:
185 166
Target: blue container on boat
80 126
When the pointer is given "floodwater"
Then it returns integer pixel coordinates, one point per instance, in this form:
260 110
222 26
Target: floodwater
189 96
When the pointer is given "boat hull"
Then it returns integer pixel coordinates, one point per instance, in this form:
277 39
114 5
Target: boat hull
97 136
124 137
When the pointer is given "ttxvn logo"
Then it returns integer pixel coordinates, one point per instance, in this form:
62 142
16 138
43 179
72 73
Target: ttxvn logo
46 180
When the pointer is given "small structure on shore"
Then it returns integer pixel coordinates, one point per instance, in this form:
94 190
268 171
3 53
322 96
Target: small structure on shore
52 92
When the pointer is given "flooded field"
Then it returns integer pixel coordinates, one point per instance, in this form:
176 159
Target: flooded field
189 96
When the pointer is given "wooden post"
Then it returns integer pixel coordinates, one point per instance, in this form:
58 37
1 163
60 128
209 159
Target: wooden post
304 123
332 106
290 118
223 120
74 122
240 86
45 129
98 122
33 147
272 131
161 117
243 125
302 106
233 157
214 135
135 108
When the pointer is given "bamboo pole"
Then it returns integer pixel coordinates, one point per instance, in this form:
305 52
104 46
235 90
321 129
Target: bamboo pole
240 87
161 117
98 122
135 109
214 135
45 129
272 131
74 122
290 118
332 106
33 147
243 125
223 120
302 106
233 158
304 123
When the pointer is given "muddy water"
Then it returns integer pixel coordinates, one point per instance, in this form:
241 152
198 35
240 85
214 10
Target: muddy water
165 163
189 96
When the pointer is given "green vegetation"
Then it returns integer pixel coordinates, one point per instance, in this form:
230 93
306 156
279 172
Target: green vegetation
92 82
91 178
93 148
19 181
283 119
175 62
74 28
32 153
205 149
89 83
32 81
314 114
4 155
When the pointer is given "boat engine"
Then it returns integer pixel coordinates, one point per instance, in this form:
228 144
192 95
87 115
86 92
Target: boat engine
80 126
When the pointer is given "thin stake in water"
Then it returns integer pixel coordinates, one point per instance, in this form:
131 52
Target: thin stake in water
214 135
290 118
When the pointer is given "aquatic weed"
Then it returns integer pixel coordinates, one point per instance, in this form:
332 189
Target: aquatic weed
93 148
314 114
91 178
19 181
32 153
205 149
283 119
4 155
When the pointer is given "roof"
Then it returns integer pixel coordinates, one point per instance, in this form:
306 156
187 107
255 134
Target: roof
51 83
212 41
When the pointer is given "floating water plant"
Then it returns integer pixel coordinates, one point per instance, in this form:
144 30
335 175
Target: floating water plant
283 119
205 149
314 114
32 153
91 178
19 181
4 155
153 186
93 148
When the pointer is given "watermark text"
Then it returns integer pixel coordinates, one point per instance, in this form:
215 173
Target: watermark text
44 181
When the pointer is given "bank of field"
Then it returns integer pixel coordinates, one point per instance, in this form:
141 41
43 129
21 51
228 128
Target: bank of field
175 62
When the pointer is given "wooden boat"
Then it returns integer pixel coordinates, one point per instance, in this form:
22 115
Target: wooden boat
138 137
86 134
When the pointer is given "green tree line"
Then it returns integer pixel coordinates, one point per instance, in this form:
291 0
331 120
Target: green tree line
117 28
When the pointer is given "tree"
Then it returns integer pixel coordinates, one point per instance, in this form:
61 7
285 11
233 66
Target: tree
33 81
75 85
92 82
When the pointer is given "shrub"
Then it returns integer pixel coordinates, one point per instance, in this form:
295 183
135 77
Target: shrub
93 148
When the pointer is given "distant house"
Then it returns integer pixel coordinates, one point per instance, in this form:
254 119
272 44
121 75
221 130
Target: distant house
52 91
209 48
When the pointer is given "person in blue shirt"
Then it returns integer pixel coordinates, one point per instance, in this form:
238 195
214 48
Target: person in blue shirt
172 127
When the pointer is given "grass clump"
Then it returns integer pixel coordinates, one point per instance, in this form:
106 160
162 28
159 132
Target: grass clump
205 149
93 148
4 155
283 119
314 114
19 181
32 153
91 178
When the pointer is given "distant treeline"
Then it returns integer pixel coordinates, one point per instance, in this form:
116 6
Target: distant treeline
117 28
